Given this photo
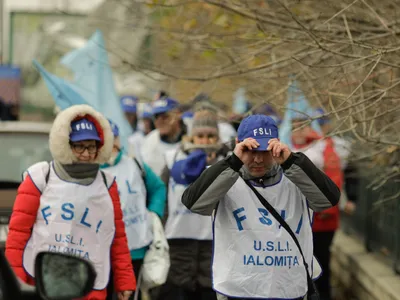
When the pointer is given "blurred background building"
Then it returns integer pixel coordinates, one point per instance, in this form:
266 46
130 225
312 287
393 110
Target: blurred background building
47 29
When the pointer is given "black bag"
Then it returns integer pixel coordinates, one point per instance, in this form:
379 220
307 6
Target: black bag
312 293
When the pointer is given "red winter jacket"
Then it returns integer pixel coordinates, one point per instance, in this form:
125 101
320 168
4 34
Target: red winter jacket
327 220
23 218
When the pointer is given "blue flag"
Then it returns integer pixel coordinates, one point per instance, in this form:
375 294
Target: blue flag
240 104
297 108
93 75
63 92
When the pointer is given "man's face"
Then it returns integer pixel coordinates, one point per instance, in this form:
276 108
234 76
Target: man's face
166 122
131 117
148 125
259 163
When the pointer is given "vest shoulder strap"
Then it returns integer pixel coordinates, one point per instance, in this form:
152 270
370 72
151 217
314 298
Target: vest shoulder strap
39 173
107 178
141 168
47 175
104 178
143 173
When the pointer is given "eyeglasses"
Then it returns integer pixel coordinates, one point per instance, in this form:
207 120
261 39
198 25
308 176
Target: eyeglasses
79 148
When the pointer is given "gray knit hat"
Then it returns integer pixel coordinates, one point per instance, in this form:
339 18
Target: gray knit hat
205 121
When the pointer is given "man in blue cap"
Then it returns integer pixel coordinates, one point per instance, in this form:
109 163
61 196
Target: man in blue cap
254 254
142 123
146 117
167 136
129 106
145 125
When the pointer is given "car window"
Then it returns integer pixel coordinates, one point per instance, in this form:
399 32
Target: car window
18 151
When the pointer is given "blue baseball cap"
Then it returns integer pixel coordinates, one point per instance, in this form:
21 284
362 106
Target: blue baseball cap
83 130
129 104
147 112
114 128
164 105
262 128
188 114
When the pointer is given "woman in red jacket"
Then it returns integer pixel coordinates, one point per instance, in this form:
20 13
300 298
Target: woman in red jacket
70 206
322 153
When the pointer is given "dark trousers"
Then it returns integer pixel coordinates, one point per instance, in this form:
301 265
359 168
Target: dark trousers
137 265
169 291
110 288
111 294
322 251
253 298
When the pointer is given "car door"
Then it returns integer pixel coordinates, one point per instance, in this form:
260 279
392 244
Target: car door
18 151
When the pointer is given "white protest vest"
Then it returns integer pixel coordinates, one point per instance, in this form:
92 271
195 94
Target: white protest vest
73 219
135 142
132 193
253 256
182 223
153 151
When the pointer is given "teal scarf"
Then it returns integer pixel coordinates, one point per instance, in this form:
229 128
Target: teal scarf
116 161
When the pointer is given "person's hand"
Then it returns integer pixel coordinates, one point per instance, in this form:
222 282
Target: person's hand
350 207
280 152
124 295
242 149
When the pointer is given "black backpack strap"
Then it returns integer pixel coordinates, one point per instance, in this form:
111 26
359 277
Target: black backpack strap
48 174
312 289
104 178
142 171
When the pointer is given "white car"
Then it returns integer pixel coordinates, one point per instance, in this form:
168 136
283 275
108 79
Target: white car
21 145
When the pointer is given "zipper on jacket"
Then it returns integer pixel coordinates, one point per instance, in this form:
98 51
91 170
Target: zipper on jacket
261 182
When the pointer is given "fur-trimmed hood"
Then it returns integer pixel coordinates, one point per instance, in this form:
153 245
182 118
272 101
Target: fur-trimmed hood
61 129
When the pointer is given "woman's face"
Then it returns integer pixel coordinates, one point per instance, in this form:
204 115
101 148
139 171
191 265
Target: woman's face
205 138
300 132
85 151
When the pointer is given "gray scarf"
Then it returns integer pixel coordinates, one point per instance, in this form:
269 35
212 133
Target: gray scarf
271 177
81 173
